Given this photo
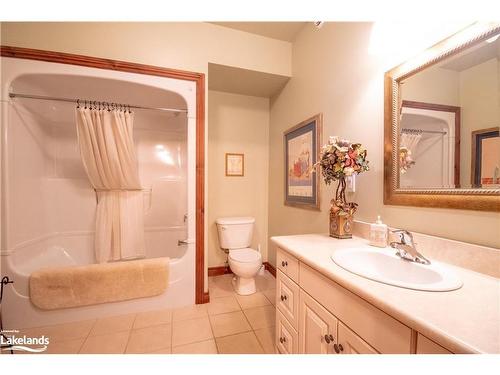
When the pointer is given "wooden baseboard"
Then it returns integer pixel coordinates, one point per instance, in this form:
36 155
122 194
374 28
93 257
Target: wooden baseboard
270 268
217 271
223 270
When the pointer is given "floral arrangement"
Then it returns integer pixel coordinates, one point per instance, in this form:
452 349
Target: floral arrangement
405 159
340 158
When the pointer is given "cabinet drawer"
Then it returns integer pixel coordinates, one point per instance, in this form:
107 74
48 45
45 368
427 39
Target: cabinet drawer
287 298
350 343
317 327
377 328
286 336
288 264
426 346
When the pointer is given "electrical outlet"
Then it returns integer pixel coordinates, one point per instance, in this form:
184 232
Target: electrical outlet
351 184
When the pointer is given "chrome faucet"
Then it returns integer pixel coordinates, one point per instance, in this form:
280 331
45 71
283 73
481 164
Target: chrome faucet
406 248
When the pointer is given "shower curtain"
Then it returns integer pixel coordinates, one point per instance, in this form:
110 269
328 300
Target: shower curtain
109 158
410 142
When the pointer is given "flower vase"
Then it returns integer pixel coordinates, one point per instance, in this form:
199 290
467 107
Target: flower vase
341 213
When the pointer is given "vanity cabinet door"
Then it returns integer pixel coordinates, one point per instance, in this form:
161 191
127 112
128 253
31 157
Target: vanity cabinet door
286 336
317 327
287 298
287 264
377 328
350 343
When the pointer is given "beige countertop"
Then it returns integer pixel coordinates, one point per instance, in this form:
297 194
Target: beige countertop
466 320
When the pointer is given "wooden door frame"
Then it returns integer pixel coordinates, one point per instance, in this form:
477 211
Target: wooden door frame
123 66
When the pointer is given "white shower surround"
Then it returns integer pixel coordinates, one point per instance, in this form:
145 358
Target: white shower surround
22 251
443 151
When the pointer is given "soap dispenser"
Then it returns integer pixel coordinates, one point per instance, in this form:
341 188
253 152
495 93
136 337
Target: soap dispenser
378 233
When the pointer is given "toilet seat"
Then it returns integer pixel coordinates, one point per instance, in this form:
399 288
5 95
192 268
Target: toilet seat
246 255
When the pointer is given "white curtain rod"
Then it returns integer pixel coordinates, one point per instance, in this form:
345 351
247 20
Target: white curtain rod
95 103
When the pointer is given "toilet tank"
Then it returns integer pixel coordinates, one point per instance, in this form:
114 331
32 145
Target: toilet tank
235 232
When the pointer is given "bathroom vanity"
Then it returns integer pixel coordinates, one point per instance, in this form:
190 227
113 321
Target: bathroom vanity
323 308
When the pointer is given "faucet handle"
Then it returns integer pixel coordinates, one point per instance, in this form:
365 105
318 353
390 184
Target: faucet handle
403 233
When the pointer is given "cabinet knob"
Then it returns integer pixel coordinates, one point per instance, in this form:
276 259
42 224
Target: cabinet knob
284 263
283 298
338 348
282 340
329 339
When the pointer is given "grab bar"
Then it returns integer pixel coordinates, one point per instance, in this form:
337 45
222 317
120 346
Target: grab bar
185 242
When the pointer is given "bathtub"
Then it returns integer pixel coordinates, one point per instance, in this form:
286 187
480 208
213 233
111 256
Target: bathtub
48 205
59 250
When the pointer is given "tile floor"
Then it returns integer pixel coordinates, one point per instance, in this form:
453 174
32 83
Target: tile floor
228 324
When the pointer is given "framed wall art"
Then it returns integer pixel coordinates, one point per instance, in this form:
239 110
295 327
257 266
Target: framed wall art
485 166
235 165
302 146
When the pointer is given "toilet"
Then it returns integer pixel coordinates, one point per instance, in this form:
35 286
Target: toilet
235 237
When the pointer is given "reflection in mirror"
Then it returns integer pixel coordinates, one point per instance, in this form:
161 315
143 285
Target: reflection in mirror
448 122
485 157
429 134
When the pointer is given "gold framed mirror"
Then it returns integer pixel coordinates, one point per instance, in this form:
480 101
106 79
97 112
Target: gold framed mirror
441 109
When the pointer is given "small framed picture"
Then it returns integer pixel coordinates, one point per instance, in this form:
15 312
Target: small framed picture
235 165
302 147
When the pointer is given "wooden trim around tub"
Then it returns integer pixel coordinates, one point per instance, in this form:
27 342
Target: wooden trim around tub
206 297
124 66
97 62
444 108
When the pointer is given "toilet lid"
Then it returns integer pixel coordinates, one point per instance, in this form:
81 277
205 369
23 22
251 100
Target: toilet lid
246 255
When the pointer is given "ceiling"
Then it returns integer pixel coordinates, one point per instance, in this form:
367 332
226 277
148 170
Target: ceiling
473 56
244 81
286 31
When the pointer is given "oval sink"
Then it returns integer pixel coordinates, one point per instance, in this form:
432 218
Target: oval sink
386 267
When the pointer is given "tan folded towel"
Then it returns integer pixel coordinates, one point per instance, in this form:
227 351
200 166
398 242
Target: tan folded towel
63 287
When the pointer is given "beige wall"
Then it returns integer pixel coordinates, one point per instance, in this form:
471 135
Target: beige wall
237 124
181 45
334 73
434 85
480 102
